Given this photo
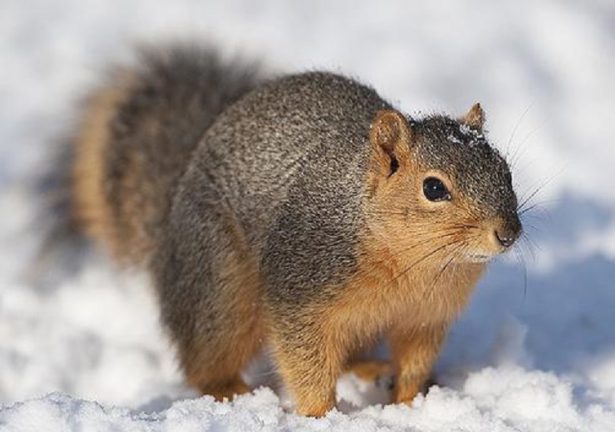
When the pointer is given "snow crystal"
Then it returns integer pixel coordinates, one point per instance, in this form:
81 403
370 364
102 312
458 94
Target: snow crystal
452 138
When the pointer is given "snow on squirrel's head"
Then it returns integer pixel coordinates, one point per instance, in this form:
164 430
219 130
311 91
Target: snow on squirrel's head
438 182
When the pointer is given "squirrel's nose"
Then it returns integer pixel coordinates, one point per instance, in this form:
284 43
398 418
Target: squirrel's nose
509 232
505 238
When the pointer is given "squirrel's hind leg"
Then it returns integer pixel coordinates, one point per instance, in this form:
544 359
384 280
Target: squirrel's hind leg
229 342
214 363
212 304
225 390
217 369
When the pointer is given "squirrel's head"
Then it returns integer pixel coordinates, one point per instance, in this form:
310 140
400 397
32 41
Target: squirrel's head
438 190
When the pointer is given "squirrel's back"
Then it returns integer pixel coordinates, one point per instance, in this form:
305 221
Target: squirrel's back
297 138
136 137
141 132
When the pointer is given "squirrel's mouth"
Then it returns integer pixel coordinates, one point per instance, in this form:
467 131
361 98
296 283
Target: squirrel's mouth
478 257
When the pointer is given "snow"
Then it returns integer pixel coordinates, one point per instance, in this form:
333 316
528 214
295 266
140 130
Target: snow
88 354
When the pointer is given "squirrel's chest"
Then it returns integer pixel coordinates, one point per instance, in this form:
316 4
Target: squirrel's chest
381 295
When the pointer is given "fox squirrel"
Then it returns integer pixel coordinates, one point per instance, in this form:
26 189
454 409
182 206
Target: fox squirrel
302 212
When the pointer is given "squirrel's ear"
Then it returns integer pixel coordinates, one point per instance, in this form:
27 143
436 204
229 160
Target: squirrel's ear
391 134
475 117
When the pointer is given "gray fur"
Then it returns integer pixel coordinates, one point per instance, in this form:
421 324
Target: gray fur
299 139
177 96
481 173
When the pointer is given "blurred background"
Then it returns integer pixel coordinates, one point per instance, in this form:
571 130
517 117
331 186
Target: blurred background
543 71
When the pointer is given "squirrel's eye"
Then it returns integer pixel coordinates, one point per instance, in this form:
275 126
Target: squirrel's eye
435 190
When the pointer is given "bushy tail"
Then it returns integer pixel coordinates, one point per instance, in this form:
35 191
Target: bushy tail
182 87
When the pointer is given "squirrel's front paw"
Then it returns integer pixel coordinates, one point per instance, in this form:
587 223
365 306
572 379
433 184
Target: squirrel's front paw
406 392
312 405
374 371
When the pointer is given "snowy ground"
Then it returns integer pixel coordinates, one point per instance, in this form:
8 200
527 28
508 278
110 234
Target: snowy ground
536 357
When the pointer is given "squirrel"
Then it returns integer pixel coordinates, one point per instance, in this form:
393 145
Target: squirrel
299 212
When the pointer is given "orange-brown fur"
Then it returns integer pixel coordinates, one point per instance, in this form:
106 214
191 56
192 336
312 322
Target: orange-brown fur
413 311
369 370
90 206
397 292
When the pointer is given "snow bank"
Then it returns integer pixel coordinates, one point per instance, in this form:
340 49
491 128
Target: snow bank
505 399
87 353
